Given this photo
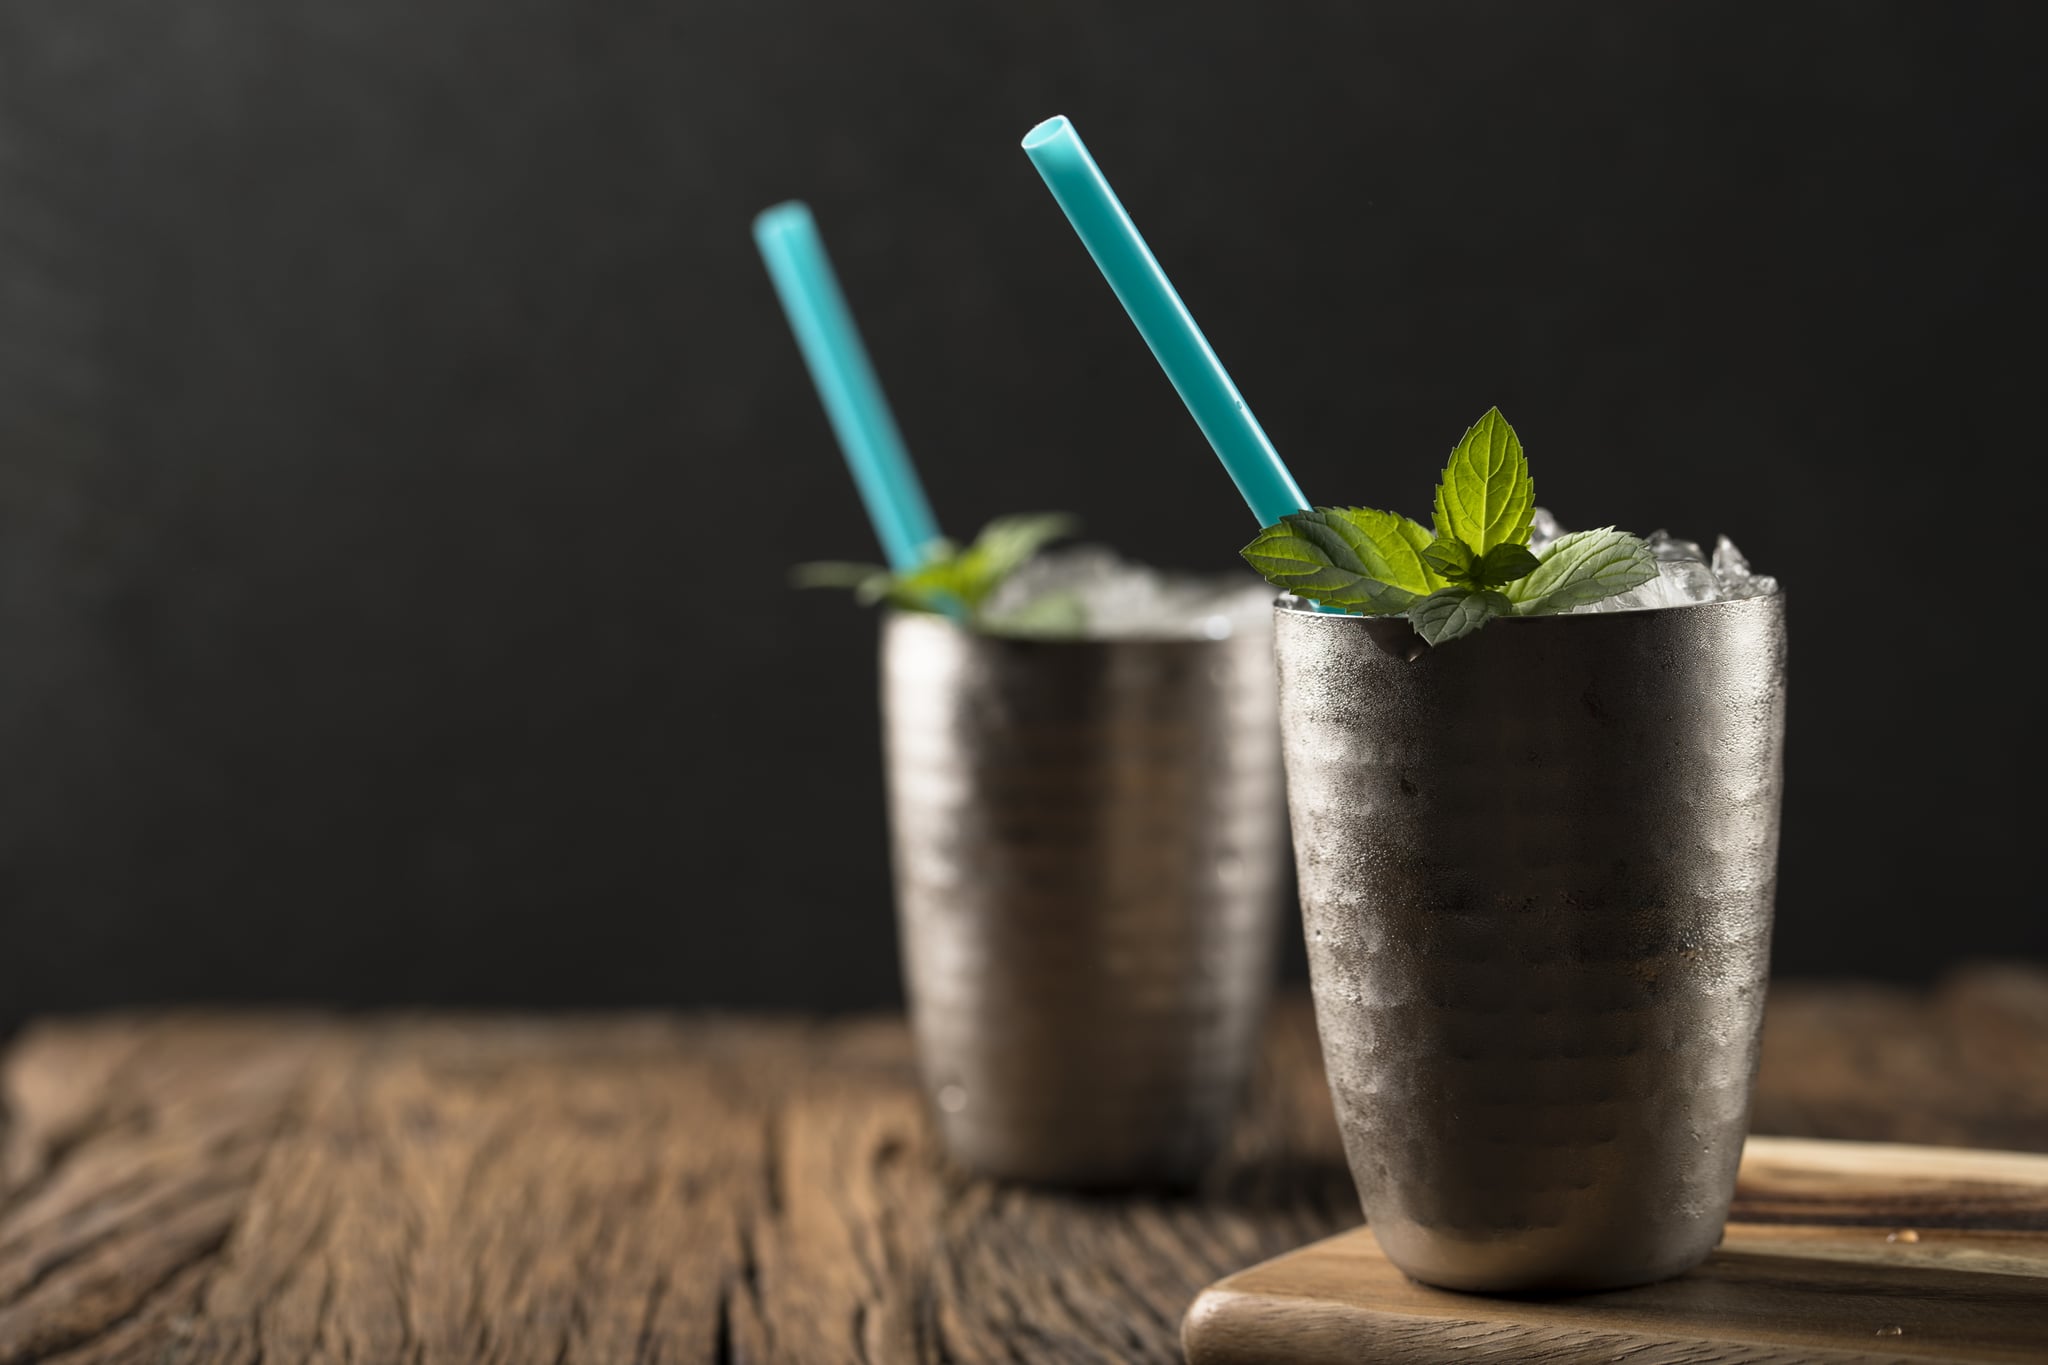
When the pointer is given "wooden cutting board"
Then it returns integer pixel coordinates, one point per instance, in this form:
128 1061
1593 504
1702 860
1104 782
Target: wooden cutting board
1835 1252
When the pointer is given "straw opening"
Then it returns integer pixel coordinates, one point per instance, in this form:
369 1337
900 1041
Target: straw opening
1045 132
784 217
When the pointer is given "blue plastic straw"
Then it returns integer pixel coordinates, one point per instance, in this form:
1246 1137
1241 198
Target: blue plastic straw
846 383
1148 296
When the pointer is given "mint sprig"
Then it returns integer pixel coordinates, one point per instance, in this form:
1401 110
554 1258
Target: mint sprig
1476 566
955 578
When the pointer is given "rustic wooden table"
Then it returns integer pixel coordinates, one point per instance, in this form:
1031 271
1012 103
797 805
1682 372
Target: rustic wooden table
286 1187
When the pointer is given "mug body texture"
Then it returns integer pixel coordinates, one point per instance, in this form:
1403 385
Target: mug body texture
1090 857
1537 867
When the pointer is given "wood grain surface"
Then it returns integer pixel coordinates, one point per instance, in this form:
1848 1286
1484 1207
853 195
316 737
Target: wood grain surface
1836 1251
301 1187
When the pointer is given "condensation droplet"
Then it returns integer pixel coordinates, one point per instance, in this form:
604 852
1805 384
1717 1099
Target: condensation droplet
1902 1235
1891 1331
952 1098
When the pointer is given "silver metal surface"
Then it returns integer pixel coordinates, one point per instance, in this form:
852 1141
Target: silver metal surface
1090 850
1537 867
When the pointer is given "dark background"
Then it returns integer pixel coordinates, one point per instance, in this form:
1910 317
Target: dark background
400 445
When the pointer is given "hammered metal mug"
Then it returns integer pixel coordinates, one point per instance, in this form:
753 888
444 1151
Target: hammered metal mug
1537 867
1090 856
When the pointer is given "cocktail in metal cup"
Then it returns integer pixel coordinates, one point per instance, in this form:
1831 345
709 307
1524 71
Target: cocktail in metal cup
1537 867
1090 859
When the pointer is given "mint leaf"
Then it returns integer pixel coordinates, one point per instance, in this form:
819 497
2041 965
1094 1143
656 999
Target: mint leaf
1452 558
951 578
1308 559
1456 562
1454 611
1486 496
928 587
1388 544
1583 567
1504 564
833 573
870 582
1355 557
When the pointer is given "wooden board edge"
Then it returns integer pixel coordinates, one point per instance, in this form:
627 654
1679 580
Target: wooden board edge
1839 1154
1225 1327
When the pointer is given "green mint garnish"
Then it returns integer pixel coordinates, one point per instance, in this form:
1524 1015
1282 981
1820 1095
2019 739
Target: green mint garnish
963 578
1477 566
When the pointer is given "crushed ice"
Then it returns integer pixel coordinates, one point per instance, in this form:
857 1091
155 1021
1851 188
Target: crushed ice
1090 592
1685 573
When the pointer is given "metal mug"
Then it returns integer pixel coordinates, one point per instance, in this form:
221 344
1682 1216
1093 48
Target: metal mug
1537 867
1090 856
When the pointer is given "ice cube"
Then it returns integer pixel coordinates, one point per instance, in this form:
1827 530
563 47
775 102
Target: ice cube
1731 566
1543 529
1688 580
1664 545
